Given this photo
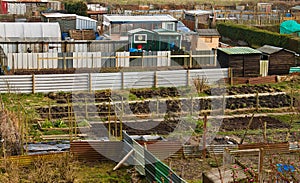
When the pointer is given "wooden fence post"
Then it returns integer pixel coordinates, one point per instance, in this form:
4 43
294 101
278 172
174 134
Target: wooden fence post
90 82
187 77
155 79
65 62
38 62
122 80
191 60
204 137
260 165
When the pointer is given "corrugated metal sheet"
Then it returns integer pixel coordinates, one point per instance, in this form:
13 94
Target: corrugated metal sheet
16 84
239 50
97 150
99 81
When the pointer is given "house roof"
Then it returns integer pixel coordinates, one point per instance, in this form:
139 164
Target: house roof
208 32
239 50
138 18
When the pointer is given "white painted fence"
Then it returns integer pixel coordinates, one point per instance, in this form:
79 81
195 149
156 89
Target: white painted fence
100 81
77 60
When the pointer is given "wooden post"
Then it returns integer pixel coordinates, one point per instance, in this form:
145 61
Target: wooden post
191 60
90 82
204 137
38 62
115 120
86 108
121 119
260 165
33 84
192 105
49 111
117 62
265 132
257 102
70 122
155 79
65 62
122 80
109 106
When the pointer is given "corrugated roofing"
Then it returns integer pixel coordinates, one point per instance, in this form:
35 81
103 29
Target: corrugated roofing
269 49
138 30
58 15
239 50
139 18
296 8
165 32
208 32
198 12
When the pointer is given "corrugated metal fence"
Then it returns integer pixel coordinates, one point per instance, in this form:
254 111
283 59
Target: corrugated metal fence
100 81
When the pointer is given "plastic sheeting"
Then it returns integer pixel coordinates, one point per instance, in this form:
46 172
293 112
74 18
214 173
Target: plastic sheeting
23 31
289 27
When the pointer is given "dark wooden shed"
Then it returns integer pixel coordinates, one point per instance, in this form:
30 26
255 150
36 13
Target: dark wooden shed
280 59
244 61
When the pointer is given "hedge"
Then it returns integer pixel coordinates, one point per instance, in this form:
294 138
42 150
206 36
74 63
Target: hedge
256 37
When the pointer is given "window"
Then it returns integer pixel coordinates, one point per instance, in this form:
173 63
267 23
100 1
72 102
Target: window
169 26
208 40
140 38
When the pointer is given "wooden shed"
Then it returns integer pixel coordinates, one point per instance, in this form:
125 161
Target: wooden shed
207 39
280 59
244 61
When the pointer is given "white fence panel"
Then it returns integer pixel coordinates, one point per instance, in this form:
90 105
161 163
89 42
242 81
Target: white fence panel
163 58
123 62
138 79
102 81
16 84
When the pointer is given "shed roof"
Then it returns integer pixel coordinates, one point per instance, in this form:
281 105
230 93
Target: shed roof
239 50
268 49
208 32
165 32
138 18
198 12
295 8
29 31
62 15
139 30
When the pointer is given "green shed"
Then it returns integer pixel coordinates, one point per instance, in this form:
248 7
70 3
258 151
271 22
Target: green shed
155 40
